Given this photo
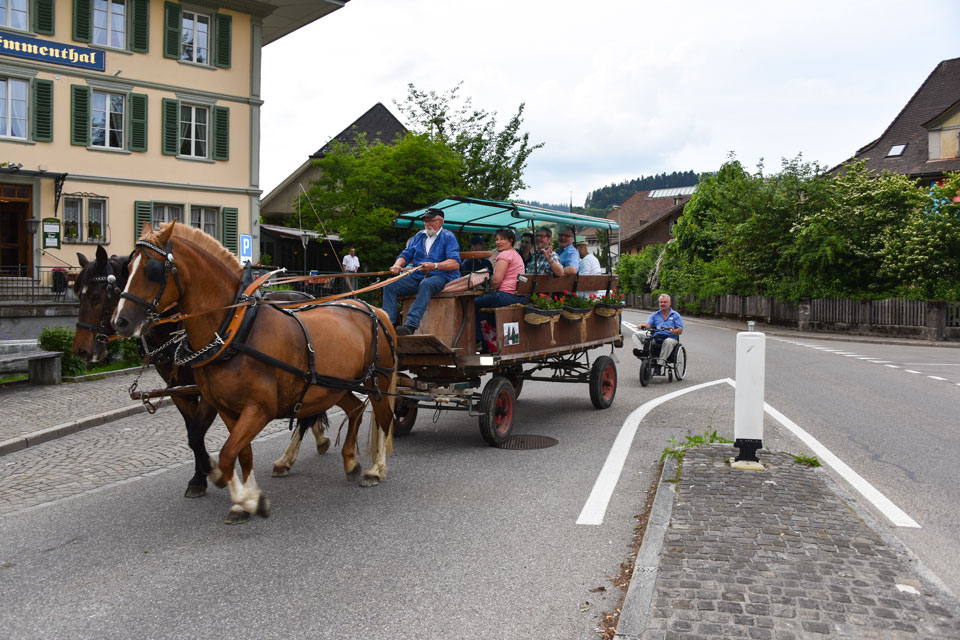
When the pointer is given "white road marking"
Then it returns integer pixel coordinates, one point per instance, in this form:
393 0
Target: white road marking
937 378
911 371
893 513
596 505
892 366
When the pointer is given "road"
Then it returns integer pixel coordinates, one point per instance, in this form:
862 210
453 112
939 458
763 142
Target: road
461 540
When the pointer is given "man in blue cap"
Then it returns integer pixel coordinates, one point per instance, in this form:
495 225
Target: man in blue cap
437 252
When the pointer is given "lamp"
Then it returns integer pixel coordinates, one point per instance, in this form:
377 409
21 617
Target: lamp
33 225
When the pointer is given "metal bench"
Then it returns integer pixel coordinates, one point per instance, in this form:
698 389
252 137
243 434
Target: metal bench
43 367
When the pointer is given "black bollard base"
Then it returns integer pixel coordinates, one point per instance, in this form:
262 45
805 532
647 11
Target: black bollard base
748 449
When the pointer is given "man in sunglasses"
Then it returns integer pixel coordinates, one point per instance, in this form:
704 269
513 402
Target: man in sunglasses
547 261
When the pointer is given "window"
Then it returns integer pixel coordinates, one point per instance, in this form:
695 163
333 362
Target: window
896 150
193 131
13 14
205 219
195 38
163 213
106 120
78 227
13 107
109 23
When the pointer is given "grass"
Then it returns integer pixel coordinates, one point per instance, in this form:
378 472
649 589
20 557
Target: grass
113 366
805 460
677 449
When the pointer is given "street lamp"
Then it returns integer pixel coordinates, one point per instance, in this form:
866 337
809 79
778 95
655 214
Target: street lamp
33 224
616 208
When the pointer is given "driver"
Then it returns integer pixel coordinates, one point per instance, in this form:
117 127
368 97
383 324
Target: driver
666 324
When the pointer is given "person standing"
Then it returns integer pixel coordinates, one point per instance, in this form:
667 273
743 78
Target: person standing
437 252
351 264
667 324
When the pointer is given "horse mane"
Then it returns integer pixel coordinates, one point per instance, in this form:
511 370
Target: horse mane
209 244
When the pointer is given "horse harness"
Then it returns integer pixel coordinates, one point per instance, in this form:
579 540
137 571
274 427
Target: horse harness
103 331
230 338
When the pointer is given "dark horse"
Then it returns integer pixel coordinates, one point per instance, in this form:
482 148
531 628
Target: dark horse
98 288
273 369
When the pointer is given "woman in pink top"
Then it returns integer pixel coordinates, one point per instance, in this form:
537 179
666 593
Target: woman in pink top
504 279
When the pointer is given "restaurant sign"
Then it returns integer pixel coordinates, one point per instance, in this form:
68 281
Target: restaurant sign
54 52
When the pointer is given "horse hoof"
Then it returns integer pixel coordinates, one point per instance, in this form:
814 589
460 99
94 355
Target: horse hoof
280 471
238 517
263 507
369 481
354 476
322 445
195 491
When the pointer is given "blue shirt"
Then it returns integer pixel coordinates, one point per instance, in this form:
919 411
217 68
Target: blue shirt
570 257
673 321
444 248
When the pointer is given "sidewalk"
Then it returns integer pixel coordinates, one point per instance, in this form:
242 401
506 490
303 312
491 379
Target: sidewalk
777 554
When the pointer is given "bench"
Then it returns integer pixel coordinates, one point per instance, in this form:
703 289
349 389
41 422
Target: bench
43 367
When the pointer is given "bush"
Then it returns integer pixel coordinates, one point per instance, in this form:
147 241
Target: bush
125 351
61 339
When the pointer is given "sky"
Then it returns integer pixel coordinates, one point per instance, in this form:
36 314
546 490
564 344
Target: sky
615 89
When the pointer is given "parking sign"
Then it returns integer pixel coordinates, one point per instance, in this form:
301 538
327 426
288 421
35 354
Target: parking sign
246 248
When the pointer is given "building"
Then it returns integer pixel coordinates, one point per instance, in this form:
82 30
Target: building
923 141
120 112
645 218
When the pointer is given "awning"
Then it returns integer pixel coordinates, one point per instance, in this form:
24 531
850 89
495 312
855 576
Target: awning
295 234
486 216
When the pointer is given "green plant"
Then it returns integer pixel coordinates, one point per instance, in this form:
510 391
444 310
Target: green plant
266 259
61 339
612 296
543 301
677 449
574 301
805 460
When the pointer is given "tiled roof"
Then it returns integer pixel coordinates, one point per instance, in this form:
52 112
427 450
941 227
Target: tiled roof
377 123
641 208
939 93
654 219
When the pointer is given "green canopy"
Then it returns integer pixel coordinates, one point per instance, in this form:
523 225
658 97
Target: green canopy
486 216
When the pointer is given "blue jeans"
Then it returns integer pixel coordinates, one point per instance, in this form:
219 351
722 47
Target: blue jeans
489 300
423 287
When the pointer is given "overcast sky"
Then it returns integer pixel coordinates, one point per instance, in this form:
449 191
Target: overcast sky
615 89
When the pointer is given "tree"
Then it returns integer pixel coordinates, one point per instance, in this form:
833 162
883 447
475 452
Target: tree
362 188
493 161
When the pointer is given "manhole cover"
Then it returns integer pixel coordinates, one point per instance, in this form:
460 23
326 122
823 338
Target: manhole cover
525 442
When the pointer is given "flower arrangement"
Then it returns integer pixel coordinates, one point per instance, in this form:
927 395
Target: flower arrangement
576 302
611 297
543 301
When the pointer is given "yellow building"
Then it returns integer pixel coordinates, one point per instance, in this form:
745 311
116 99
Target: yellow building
117 112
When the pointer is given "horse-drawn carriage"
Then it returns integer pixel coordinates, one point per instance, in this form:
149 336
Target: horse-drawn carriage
440 368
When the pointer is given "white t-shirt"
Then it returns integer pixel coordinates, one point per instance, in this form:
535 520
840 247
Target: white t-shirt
590 266
351 263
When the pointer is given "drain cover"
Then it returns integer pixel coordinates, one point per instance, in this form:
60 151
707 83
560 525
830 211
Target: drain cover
525 442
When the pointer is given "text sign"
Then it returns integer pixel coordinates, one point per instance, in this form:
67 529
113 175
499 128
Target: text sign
49 51
246 248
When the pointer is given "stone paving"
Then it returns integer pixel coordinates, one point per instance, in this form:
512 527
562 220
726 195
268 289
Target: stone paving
790 561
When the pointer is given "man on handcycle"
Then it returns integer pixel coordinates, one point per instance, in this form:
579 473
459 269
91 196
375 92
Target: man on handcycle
666 324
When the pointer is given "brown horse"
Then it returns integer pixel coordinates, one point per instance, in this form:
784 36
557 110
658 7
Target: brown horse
269 371
98 287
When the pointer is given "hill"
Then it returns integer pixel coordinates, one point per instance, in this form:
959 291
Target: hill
606 197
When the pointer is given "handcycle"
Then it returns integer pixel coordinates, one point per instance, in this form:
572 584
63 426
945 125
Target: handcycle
647 349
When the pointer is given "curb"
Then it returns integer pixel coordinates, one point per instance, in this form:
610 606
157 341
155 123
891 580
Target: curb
638 601
66 428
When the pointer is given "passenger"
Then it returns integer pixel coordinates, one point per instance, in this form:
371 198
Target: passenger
569 258
437 251
472 265
589 265
504 280
667 323
547 261
526 246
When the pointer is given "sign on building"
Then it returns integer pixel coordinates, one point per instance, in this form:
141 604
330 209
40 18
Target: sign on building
246 248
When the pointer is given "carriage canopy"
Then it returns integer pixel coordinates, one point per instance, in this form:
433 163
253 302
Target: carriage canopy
486 216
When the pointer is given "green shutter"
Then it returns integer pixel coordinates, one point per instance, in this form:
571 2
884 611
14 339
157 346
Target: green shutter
43 16
170 115
142 212
140 26
42 110
79 115
230 215
83 20
138 122
221 133
224 34
171 31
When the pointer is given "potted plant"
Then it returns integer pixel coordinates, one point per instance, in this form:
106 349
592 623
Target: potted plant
575 307
542 308
610 303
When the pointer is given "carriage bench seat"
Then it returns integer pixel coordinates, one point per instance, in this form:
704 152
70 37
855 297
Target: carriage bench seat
43 367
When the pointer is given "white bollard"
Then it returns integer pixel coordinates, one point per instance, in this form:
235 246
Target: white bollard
748 400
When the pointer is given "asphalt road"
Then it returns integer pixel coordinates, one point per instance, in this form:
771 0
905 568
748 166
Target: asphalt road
461 540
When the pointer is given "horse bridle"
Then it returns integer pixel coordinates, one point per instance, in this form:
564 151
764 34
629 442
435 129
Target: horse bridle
156 271
103 331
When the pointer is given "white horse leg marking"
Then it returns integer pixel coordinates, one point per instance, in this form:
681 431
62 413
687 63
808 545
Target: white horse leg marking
245 495
285 462
320 435
215 474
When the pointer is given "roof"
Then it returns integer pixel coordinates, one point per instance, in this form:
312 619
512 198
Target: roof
281 17
486 216
376 123
674 191
654 219
295 234
938 94
643 206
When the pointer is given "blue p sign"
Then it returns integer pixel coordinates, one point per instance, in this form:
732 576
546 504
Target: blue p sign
246 248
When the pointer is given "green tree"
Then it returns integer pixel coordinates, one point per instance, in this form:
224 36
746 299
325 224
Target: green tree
363 187
493 160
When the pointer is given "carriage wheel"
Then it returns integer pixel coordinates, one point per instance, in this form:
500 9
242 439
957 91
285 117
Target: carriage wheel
603 382
645 372
680 363
404 415
496 410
